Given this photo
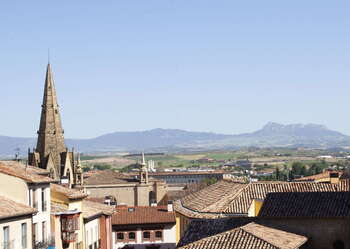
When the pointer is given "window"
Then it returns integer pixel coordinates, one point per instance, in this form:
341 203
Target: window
43 231
43 200
35 232
24 235
159 234
120 236
35 199
132 236
30 198
146 235
6 239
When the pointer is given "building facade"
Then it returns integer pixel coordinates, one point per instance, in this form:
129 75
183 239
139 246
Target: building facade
15 224
32 189
137 227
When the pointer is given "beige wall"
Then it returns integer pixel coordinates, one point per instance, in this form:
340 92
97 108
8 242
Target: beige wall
129 194
15 229
14 188
71 205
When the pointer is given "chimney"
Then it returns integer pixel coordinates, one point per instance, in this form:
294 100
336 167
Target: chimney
170 206
334 177
65 181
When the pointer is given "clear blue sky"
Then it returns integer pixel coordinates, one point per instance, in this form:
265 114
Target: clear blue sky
221 66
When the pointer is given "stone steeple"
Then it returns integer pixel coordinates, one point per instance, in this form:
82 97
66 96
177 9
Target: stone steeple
51 152
50 133
143 170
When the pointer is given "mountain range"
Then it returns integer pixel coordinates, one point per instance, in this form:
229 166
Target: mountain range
271 135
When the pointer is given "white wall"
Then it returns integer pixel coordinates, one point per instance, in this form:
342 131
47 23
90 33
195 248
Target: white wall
15 229
41 216
168 241
92 232
169 234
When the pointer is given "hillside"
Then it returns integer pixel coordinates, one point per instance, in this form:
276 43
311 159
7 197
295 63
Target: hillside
271 135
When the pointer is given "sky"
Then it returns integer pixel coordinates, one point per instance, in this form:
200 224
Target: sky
216 66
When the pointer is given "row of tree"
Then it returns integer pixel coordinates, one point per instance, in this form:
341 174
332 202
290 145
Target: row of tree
298 169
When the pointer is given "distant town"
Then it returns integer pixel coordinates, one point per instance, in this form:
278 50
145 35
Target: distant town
251 197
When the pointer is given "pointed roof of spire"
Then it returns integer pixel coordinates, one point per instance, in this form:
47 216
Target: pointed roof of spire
49 91
50 133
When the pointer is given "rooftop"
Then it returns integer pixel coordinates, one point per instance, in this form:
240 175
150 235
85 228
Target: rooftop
321 176
29 174
10 208
71 194
142 215
202 228
229 197
306 204
251 235
106 177
91 209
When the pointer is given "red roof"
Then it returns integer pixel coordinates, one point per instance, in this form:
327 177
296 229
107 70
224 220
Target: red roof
142 215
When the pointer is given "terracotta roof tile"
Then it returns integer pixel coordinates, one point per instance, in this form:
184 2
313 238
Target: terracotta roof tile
68 192
142 215
58 208
10 208
251 235
228 198
107 177
91 208
29 174
202 228
323 175
307 204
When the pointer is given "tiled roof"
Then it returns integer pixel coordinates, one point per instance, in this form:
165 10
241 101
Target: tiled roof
29 174
68 192
259 190
10 208
107 177
323 175
306 204
91 208
226 197
142 215
58 208
202 228
214 197
251 235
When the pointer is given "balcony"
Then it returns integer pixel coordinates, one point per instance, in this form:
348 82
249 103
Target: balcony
70 223
68 237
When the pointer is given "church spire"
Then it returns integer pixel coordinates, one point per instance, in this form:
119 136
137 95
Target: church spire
50 133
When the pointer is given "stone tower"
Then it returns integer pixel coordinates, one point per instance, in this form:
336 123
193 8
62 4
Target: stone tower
51 152
143 170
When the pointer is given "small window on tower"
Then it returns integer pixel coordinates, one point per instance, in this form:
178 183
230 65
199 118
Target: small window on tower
56 111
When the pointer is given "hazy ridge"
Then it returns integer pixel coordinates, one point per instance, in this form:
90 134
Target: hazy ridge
271 135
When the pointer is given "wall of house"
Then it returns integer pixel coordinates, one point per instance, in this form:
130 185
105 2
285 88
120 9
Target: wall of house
168 240
129 194
123 193
182 223
60 198
15 231
322 233
18 193
92 233
106 232
43 215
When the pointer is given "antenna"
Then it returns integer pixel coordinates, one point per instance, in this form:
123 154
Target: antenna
48 56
